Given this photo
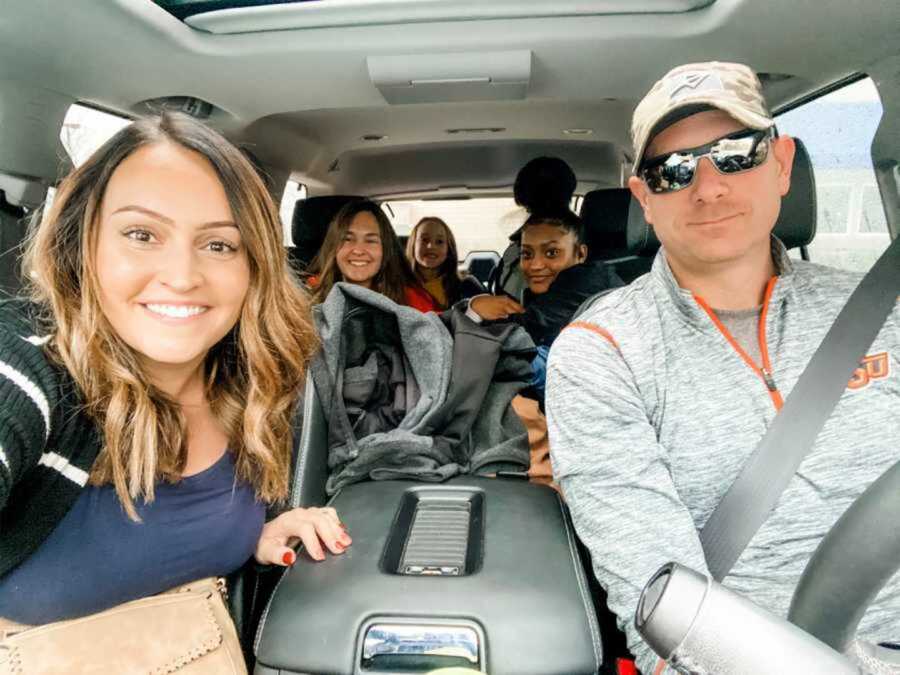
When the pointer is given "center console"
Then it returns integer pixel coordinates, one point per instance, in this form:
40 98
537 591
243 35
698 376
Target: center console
479 574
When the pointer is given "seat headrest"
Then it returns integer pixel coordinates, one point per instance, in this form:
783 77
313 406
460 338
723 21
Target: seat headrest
480 264
605 216
796 225
312 217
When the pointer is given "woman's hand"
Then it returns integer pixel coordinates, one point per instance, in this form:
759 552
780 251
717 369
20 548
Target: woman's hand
494 307
313 527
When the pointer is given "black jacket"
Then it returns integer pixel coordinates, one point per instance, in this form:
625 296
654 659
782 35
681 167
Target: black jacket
548 313
48 444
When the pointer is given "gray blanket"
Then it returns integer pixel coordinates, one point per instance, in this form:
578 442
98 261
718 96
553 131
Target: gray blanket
416 395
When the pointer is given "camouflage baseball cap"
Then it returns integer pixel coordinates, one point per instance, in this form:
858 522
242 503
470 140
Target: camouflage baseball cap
732 87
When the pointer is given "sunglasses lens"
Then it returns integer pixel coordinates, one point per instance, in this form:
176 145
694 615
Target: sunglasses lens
733 155
675 173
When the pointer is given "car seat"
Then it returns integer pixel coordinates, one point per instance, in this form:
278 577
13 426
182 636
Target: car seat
481 264
309 225
605 216
13 226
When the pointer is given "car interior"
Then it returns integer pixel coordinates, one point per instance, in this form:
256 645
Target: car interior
442 102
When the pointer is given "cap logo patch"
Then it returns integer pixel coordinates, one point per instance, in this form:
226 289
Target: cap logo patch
692 82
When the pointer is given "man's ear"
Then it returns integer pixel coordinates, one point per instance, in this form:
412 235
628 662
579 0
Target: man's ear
581 251
641 193
784 149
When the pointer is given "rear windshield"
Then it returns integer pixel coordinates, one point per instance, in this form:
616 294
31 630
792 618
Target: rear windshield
477 224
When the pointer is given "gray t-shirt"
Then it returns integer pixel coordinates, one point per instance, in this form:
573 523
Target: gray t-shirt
743 324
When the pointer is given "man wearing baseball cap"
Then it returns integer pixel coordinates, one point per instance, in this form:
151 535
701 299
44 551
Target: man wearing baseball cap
658 393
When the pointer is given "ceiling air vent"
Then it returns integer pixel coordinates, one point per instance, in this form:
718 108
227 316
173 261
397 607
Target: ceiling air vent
447 78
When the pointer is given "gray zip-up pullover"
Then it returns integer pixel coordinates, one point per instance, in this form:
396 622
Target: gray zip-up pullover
652 410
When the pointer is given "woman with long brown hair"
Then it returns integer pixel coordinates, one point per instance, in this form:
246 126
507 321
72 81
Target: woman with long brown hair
148 384
434 257
361 248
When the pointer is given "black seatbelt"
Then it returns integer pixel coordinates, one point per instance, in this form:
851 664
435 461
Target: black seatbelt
794 430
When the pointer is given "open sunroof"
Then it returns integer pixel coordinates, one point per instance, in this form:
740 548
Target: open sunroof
182 9
245 16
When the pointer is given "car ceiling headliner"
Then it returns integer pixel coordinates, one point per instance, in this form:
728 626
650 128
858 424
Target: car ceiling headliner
302 99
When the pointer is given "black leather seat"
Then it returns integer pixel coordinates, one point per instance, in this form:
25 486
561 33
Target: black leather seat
605 216
481 264
312 217
13 225
250 587
796 225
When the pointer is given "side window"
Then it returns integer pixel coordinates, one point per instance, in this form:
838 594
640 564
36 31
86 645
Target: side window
85 129
293 192
837 129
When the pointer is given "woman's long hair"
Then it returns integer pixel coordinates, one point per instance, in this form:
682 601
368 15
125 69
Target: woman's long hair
447 271
394 275
252 376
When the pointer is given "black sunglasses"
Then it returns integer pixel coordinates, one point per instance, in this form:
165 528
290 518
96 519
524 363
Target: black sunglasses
734 153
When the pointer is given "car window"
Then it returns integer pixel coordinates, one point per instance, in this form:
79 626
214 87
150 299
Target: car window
86 129
477 224
833 206
837 129
873 220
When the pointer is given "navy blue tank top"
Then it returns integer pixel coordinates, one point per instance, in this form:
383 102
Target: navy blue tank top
205 525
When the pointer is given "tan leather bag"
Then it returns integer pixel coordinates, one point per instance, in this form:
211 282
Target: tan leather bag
186 630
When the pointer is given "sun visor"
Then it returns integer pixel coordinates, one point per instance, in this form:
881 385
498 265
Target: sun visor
445 78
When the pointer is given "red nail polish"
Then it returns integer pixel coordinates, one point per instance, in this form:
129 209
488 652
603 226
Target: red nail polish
288 558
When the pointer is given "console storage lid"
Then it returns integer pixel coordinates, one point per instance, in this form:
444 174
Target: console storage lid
490 558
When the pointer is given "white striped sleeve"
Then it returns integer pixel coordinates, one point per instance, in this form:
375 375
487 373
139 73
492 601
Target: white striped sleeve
37 341
31 390
61 464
